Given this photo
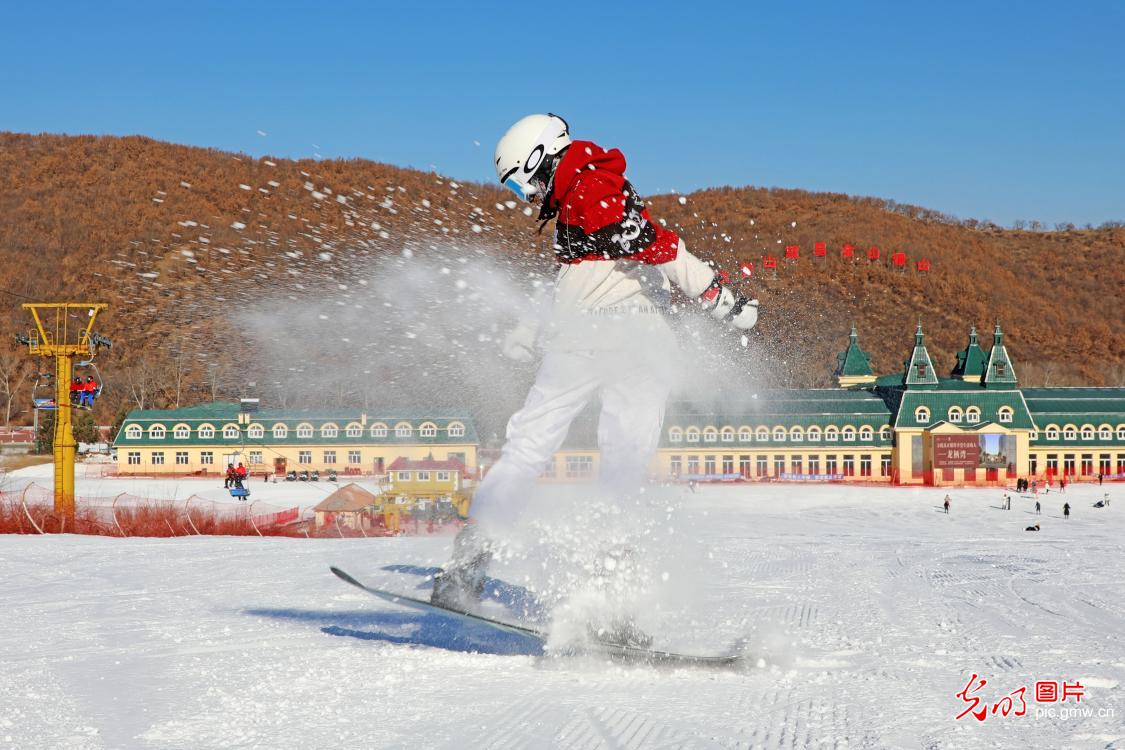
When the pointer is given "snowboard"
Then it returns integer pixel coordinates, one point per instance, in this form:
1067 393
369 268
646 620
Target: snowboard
620 651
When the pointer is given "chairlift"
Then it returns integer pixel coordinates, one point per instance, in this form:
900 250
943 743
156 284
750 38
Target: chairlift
43 392
239 492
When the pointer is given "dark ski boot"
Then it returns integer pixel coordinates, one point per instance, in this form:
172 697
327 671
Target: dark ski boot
460 583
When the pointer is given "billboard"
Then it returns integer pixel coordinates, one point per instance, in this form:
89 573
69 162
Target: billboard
974 451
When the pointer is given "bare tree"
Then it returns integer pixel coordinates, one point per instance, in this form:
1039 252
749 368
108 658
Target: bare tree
145 380
15 370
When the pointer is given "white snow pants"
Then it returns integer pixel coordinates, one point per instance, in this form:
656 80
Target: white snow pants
632 382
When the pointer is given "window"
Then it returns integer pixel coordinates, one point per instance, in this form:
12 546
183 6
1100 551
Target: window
403 430
442 476
206 432
1052 432
762 466
1105 433
885 433
423 476
744 465
865 465
1033 464
230 432
1000 369
133 432
922 370
676 466
727 435
728 464
304 457
181 432
922 415
796 435
1121 432
181 458
956 414
354 430
675 435
866 434
456 429
848 434
849 465
1068 464
710 435
256 457
280 432
428 429
1070 432
157 458
1087 464
708 465
972 415
779 434
579 467
355 457
762 435
329 457
830 464
797 464
1104 463
207 458
304 430
1087 432
778 465
402 476
156 432
133 458
831 434
1052 463
693 465
813 434
814 465
692 435
255 432
378 430
1005 414
329 431
884 466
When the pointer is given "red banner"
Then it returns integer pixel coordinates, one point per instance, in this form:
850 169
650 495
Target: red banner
956 451
769 262
873 253
924 264
848 251
899 259
820 249
792 251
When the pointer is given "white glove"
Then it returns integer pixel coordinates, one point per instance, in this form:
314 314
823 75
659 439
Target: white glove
739 312
519 343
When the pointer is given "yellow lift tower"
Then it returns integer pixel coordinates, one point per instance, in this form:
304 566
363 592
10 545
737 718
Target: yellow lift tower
64 330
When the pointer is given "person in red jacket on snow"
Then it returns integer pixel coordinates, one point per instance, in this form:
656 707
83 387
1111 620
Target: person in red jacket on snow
604 334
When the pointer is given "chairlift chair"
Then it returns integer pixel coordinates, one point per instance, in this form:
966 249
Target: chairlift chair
44 382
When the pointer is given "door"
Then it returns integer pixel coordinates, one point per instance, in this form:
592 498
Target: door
279 467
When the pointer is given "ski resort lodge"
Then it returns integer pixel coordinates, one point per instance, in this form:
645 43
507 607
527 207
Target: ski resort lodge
913 427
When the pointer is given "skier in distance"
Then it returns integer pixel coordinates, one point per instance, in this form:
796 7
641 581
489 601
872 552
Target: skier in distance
604 335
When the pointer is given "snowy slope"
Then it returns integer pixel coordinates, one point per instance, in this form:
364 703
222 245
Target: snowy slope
874 608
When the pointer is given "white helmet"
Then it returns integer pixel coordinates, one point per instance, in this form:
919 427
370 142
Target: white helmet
525 148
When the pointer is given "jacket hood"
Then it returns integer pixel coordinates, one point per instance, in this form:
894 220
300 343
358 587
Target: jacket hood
582 155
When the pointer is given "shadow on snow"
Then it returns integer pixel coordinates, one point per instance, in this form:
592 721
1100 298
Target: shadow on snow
518 600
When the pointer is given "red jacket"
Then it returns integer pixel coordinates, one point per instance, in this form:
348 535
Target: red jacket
600 215
89 385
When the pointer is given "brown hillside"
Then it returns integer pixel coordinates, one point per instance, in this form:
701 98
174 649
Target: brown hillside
181 240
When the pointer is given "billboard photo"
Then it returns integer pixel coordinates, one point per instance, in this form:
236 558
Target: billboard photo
974 451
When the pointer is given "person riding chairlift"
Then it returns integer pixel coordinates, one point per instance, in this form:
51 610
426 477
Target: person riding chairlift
240 475
89 390
76 389
232 477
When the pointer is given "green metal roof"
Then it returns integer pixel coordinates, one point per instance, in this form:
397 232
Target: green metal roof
940 401
853 361
919 368
970 360
999 372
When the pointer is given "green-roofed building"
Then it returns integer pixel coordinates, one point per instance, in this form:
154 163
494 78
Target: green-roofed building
204 439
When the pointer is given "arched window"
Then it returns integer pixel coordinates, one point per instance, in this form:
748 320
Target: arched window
181 432
779 434
813 434
922 415
956 414
727 435
1005 414
675 435
848 433
710 435
1105 432
885 433
230 432
831 433
378 430
797 434
280 432
866 433
255 432
1121 432
206 432
745 434
428 429
972 414
329 430
1087 432
133 432
354 430
692 434
304 430
1070 432
762 435
156 432
1052 432
403 430
456 429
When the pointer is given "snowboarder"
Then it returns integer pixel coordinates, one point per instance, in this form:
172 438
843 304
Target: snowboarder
946 503
1066 510
1036 507
605 335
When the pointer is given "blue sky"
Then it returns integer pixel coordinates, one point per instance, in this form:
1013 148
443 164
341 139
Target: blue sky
998 111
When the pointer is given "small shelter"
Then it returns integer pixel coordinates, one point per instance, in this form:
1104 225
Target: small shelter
351 505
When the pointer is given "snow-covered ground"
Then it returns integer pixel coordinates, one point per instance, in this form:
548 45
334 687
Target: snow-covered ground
871 607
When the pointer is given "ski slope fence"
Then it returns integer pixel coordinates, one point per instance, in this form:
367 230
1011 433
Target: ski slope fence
30 510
